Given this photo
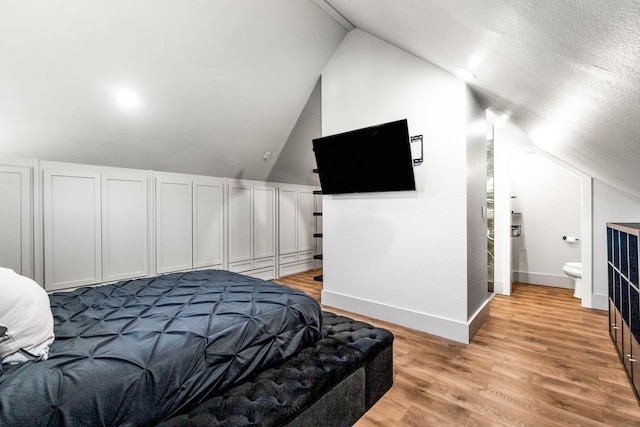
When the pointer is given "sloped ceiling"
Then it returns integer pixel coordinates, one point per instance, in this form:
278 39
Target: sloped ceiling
568 72
193 86
213 85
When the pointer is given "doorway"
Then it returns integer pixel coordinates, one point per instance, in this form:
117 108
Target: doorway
536 252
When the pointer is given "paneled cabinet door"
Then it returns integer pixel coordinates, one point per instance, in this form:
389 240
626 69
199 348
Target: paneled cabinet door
208 221
15 219
304 234
240 222
72 231
264 220
288 214
173 223
125 225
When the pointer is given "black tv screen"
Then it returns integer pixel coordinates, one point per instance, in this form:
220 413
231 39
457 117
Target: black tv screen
368 160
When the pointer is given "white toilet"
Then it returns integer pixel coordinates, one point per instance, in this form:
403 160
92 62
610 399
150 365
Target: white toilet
574 270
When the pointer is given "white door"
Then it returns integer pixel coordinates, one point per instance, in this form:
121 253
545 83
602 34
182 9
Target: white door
15 219
264 217
173 223
305 221
208 222
125 225
72 231
240 222
288 212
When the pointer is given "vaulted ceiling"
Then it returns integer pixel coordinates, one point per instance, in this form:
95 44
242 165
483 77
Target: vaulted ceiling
567 72
194 86
211 86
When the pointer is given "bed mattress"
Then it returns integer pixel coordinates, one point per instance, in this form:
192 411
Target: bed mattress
137 352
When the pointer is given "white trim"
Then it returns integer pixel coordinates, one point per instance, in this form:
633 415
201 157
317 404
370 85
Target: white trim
588 298
478 318
431 324
498 287
337 16
543 279
599 302
586 190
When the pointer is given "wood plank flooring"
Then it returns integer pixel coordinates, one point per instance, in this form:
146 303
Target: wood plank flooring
539 360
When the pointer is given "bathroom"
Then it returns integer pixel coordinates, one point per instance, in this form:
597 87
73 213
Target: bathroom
546 218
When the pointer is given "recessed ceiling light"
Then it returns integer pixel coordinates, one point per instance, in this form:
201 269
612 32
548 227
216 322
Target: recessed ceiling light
465 74
127 98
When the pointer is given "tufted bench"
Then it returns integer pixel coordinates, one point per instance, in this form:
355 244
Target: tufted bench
332 383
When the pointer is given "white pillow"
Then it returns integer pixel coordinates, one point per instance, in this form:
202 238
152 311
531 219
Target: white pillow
26 314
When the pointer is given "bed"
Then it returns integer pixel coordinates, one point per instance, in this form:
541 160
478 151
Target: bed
182 348
137 352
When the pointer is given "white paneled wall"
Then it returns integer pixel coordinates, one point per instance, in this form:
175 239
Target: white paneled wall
296 227
102 224
174 227
189 222
125 225
208 222
252 228
241 222
16 217
72 227
95 224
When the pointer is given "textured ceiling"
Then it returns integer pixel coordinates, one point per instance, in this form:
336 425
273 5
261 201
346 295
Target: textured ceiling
567 71
222 82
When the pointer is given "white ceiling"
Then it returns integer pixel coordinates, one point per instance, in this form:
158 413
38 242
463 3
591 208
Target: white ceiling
222 82
568 71
216 84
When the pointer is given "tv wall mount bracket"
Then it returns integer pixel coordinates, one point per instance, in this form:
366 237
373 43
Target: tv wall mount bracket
418 161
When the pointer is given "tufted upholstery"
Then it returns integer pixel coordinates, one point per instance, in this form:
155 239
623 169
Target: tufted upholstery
138 351
279 394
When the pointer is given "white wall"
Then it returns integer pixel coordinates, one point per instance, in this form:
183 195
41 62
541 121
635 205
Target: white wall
477 286
549 200
295 162
401 257
609 205
544 250
218 83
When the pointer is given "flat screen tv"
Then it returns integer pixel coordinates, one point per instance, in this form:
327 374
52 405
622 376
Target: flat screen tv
369 160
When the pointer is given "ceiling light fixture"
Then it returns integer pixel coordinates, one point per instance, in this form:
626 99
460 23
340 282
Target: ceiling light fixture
465 74
127 98
497 117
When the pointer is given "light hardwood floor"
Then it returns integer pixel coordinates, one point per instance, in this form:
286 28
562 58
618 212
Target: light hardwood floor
539 360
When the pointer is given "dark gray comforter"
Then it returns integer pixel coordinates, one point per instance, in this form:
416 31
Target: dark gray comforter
137 352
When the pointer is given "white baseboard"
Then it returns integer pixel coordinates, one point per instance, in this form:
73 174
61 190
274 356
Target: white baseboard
447 328
600 302
498 287
543 279
479 317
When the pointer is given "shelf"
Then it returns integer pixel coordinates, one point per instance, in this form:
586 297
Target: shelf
317 235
